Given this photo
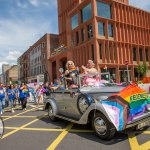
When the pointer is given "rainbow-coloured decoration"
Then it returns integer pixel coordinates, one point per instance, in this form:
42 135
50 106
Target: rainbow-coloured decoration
121 108
25 90
137 99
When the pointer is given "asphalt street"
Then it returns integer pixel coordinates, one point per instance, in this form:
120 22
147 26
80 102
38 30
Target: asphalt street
32 130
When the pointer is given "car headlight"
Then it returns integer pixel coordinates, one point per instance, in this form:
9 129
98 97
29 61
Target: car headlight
148 107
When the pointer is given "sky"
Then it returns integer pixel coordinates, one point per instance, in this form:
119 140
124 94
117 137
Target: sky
23 22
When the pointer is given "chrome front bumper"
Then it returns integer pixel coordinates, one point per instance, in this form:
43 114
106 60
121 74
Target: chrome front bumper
145 119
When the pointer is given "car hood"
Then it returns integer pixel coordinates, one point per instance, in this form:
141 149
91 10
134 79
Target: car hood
101 92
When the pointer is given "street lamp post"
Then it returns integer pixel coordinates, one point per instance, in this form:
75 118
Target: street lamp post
128 76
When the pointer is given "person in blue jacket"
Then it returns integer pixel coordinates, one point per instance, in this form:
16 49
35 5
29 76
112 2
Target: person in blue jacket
11 96
23 94
2 99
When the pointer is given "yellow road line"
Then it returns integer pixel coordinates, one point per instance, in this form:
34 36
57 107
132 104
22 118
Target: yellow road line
133 142
8 109
146 132
82 131
58 130
17 129
60 137
135 145
19 114
36 129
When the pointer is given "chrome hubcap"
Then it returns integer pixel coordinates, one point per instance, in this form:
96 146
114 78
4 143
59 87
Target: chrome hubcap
83 105
100 126
50 111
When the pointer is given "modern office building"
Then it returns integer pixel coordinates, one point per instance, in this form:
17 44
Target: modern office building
110 32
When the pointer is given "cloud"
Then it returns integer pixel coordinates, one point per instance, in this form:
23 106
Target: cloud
34 2
21 4
143 4
16 36
12 55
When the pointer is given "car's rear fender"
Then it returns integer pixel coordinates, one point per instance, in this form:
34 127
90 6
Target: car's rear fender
53 103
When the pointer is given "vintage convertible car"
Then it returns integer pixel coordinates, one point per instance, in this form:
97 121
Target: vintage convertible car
109 108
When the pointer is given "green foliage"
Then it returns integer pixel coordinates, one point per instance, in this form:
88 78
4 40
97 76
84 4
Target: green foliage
142 69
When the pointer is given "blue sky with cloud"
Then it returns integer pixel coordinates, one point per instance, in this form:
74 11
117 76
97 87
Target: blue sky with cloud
23 22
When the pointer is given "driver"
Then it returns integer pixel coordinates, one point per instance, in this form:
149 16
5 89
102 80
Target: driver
71 73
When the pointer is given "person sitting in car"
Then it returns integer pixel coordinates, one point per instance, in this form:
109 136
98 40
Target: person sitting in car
90 80
90 68
71 73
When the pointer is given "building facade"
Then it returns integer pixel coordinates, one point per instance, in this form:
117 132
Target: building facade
1 76
5 67
23 65
12 75
34 64
110 32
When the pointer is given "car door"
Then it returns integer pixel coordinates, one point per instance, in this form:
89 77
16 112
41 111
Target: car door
70 102
58 94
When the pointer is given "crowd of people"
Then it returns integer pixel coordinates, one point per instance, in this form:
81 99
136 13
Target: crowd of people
13 94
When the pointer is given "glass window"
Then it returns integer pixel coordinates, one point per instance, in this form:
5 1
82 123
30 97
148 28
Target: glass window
141 56
74 21
90 31
110 30
104 10
146 53
101 29
86 13
134 54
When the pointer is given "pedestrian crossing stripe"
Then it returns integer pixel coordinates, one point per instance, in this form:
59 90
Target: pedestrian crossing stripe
135 145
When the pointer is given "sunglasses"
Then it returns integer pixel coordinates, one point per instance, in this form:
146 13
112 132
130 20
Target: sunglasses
69 64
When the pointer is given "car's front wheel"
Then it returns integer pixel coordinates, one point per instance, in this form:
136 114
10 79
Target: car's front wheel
51 113
103 127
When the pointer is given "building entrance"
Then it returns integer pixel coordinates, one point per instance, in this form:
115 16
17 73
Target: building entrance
124 75
54 74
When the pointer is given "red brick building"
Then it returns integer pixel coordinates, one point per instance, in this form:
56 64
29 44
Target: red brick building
109 32
34 64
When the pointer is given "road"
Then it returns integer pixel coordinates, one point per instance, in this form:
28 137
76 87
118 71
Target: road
32 130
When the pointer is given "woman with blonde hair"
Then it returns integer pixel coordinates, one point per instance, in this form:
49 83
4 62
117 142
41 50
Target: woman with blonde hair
71 73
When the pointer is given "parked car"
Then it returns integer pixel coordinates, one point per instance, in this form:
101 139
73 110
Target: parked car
85 103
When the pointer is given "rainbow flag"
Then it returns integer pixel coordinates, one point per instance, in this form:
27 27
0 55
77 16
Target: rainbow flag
121 108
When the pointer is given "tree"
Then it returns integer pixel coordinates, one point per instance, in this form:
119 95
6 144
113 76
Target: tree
142 69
